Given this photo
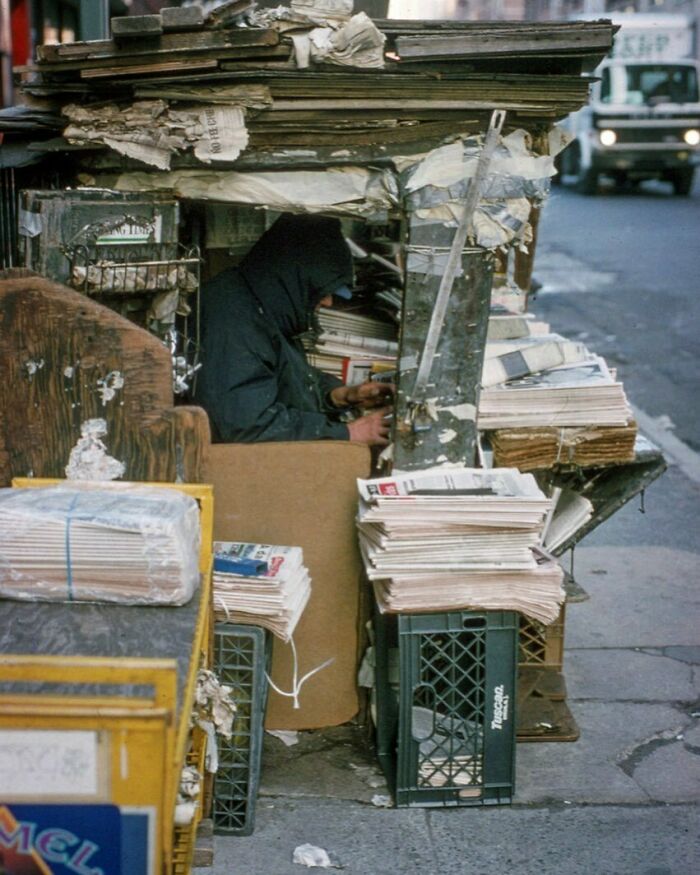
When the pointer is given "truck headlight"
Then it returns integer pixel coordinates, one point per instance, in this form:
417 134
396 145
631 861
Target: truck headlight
692 137
608 137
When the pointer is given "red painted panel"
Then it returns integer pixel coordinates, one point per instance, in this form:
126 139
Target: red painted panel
21 38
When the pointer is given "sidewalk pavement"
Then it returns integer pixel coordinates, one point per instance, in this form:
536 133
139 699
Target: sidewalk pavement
623 800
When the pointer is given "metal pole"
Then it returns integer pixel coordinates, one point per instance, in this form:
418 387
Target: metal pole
94 19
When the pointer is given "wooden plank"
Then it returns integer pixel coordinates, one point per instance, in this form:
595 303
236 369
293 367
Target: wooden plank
181 17
454 379
136 69
136 26
479 41
274 136
322 105
191 41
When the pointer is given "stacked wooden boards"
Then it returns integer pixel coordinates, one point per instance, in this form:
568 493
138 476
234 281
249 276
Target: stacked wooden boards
439 78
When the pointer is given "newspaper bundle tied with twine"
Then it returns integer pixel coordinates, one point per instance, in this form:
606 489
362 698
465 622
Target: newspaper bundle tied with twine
99 543
264 584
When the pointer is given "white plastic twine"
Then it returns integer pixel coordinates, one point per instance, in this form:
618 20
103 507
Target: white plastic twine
296 683
222 603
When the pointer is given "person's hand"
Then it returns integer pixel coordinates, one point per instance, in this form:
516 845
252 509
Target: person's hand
366 396
372 429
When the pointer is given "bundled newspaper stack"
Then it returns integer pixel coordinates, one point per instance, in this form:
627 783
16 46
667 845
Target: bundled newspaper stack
582 393
260 584
550 401
534 378
449 540
107 542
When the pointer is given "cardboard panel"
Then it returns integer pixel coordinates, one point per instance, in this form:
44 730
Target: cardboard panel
302 494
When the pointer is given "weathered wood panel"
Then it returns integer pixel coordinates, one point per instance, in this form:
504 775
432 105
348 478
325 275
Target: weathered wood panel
454 379
65 359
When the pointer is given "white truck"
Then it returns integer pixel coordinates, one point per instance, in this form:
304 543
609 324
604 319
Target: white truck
643 118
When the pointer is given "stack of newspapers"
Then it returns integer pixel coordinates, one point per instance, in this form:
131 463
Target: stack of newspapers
351 337
111 542
550 401
260 584
457 539
577 393
530 449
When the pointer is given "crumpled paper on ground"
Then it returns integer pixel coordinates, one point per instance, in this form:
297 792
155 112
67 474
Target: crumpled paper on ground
151 132
289 737
312 856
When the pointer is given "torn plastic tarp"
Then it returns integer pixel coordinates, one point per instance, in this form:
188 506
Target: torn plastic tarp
353 191
436 186
445 173
496 223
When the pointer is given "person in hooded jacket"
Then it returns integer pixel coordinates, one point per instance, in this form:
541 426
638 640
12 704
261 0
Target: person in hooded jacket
255 382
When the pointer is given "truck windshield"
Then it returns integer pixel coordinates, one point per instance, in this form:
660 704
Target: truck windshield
649 84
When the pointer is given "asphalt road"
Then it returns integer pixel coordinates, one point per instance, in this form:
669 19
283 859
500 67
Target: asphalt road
621 270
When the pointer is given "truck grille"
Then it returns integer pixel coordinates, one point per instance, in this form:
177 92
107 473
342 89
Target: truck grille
650 135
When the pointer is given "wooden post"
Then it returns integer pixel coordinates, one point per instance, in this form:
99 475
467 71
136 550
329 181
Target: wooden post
455 376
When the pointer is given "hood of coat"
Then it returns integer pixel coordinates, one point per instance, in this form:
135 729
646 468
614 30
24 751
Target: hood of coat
295 263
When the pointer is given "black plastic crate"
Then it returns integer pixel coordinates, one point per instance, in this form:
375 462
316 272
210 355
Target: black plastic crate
241 657
446 731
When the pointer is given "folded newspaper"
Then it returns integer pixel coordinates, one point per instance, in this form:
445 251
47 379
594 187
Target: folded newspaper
579 394
106 542
456 539
260 584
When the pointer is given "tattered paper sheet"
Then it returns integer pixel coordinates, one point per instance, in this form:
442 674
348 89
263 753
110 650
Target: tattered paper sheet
515 171
436 186
151 132
326 32
301 13
357 43
352 191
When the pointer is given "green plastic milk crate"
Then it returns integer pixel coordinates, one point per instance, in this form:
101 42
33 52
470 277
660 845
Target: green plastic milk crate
241 657
446 725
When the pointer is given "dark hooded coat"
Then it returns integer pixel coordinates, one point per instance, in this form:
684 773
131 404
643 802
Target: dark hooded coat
255 382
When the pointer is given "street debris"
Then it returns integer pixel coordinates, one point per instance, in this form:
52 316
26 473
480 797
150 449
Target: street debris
313 857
